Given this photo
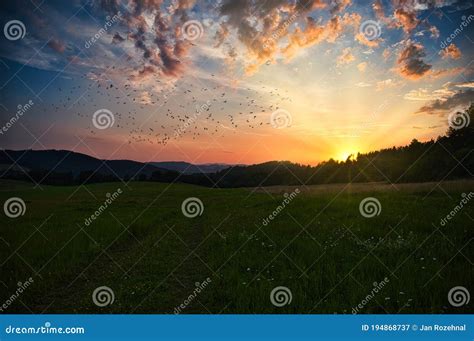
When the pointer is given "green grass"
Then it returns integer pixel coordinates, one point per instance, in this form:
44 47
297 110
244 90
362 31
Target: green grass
151 255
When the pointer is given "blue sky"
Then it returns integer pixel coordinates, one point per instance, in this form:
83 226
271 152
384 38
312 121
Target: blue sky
339 76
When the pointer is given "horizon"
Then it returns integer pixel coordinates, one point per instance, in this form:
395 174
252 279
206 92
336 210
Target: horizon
353 156
205 83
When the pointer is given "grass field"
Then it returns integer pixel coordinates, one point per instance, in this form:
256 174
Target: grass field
319 246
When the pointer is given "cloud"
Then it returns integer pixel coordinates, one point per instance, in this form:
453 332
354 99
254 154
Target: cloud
144 74
449 97
434 32
410 63
387 84
442 94
339 5
423 94
458 101
306 5
362 66
465 85
117 38
315 33
362 39
452 51
221 34
262 27
246 31
57 45
452 72
379 11
312 34
346 57
406 20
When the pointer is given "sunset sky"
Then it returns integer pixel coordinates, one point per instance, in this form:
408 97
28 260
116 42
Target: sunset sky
233 81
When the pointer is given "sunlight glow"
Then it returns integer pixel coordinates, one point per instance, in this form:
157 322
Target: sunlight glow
343 155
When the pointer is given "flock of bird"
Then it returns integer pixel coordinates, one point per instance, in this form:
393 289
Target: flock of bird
189 109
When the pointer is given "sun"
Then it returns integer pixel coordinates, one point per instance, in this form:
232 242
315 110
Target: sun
343 155
346 149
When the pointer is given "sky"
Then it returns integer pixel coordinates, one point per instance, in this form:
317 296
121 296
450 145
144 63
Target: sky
232 81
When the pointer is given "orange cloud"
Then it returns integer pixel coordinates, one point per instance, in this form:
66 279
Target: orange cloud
314 33
346 57
362 66
362 39
451 51
406 20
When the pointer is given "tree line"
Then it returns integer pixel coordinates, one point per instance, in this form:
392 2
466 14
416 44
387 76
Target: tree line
448 157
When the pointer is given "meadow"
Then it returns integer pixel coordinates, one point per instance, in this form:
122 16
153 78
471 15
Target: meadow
319 246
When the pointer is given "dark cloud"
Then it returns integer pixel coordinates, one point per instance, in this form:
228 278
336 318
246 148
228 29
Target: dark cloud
141 6
410 61
462 98
57 45
305 6
171 66
117 38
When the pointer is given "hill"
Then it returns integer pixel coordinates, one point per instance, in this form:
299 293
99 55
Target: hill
62 166
448 157
189 168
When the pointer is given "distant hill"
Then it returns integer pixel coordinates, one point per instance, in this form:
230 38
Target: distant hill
60 166
189 168
65 162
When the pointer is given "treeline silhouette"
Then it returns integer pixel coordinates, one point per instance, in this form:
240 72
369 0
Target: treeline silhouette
446 158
